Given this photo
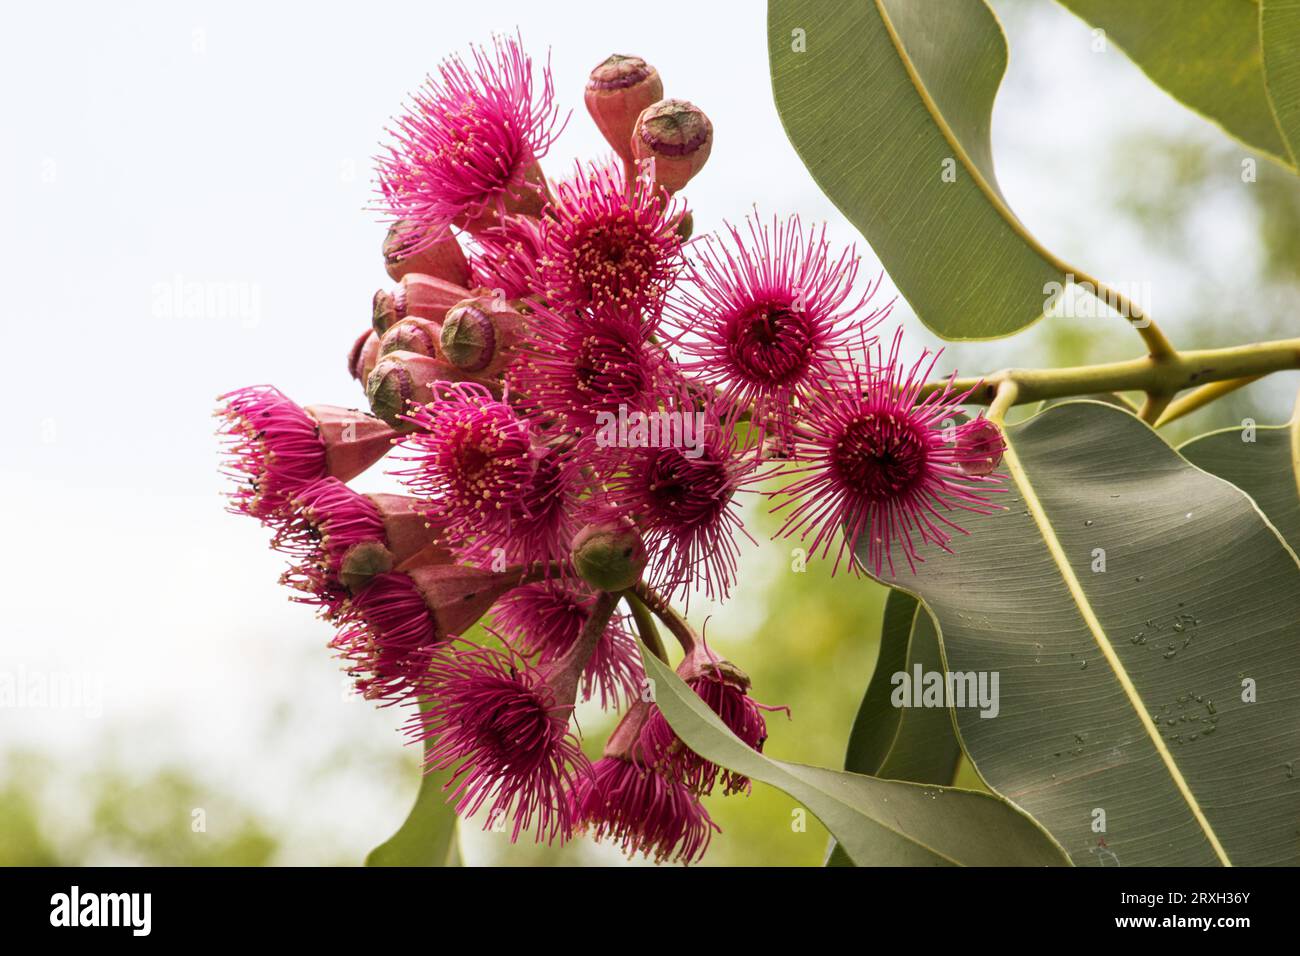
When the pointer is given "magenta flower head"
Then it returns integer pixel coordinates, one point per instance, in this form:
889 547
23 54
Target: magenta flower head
473 457
678 475
276 448
641 808
483 476
390 627
877 460
581 367
725 688
546 619
504 727
766 316
608 244
466 149
341 539
505 257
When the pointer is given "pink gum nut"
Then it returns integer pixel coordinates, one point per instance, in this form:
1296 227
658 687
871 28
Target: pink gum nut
411 335
458 595
400 379
353 440
525 198
443 258
678 137
477 335
980 448
364 355
409 542
617 91
415 295
408 533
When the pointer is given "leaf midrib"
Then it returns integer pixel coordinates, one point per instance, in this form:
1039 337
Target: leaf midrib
1084 607
959 150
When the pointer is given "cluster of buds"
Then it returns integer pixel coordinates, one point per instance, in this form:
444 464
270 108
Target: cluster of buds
579 400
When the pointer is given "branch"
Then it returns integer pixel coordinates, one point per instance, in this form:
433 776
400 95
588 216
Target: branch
1165 376
1202 397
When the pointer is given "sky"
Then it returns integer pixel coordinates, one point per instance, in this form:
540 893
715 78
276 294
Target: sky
151 150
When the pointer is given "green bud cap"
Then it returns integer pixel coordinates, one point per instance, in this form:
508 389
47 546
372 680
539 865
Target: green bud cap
469 337
609 557
362 562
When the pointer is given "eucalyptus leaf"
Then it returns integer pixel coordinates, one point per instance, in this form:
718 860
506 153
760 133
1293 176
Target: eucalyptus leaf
1206 54
1279 26
877 822
1144 619
888 103
918 744
1262 461
428 835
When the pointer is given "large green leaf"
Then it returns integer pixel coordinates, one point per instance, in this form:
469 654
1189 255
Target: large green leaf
1280 36
903 743
881 100
1123 691
428 835
1263 462
878 822
1205 53
918 744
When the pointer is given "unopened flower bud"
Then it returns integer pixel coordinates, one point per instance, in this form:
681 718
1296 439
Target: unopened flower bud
979 448
442 258
399 379
411 335
617 91
477 334
678 137
609 557
364 355
418 296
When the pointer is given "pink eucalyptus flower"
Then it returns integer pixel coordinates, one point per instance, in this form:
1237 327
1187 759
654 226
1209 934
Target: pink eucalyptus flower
641 808
391 626
546 619
609 245
505 729
765 317
878 460
680 488
541 524
725 688
505 257
466 149
473 459
276 448
577 366
340 539
503 724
